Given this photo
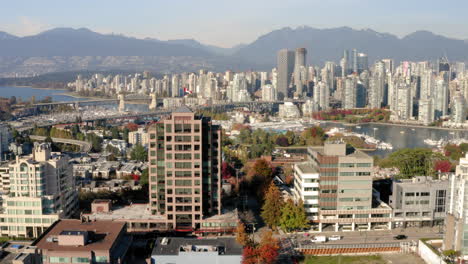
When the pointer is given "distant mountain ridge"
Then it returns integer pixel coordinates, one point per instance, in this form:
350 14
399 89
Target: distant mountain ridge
328 44
68 49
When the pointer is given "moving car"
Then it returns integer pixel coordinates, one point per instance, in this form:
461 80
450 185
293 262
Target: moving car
334 238
400 237
319 239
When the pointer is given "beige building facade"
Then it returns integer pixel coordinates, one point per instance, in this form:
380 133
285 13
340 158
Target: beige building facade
42 190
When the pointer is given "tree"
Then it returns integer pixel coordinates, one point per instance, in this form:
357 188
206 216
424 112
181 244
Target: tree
267 250
241 236
271 209
245 135
267 253
442 166
293 216
261 168
451 254
250 255
227 171
139 153
417 161
314 136
259 176
282 141
144 177
132 126
96 142
288 174
301 215
115 133
291 136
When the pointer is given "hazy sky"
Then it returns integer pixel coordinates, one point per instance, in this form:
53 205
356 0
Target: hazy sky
227 23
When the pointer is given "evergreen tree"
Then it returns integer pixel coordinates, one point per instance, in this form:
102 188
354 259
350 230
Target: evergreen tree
139 153
271 209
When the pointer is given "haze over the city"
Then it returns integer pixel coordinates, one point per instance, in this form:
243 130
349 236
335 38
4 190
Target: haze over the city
226 24
234 132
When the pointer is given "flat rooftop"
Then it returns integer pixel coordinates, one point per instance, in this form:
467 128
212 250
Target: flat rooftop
130 212
174 245
306 168
103 235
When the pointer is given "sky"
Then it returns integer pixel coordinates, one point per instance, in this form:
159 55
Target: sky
228 23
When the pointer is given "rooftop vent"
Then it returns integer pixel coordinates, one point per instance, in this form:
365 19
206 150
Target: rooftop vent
165 241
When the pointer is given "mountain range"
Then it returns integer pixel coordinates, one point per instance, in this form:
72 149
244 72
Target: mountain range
63 49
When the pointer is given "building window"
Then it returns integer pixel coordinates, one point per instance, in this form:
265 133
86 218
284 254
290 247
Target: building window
80 260
364 165
59 260
409 194
101 259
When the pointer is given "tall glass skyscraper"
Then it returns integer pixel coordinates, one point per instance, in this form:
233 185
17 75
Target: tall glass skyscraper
285 65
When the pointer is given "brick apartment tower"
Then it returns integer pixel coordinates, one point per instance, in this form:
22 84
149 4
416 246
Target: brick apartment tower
185 169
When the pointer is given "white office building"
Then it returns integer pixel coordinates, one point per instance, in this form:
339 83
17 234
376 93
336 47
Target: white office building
306 188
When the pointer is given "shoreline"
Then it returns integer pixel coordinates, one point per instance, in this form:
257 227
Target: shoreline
392 124
42 88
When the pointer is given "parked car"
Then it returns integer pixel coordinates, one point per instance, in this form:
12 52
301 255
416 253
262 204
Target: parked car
319 239
400 237
334 238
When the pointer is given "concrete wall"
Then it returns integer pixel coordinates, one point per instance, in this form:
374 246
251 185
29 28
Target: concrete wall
426 253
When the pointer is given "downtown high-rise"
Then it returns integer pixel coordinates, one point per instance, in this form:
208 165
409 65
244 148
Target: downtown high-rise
285 65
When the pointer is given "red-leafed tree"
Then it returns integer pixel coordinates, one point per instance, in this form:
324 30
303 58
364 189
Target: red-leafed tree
267 253
442 166
250 255
132 126
227 171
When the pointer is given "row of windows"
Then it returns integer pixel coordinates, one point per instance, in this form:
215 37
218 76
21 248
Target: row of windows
223 224
356 182
412 194
310 180
22 203
311 206
355 199
24 212
361 173
97 259
353 207
311 189
353 165
355 191
423 202
26 220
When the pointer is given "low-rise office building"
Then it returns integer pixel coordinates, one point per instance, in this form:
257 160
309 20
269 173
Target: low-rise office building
306 188
181 250
420 201
336 186
76 241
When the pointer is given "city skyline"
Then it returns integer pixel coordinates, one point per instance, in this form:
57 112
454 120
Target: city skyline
234 25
